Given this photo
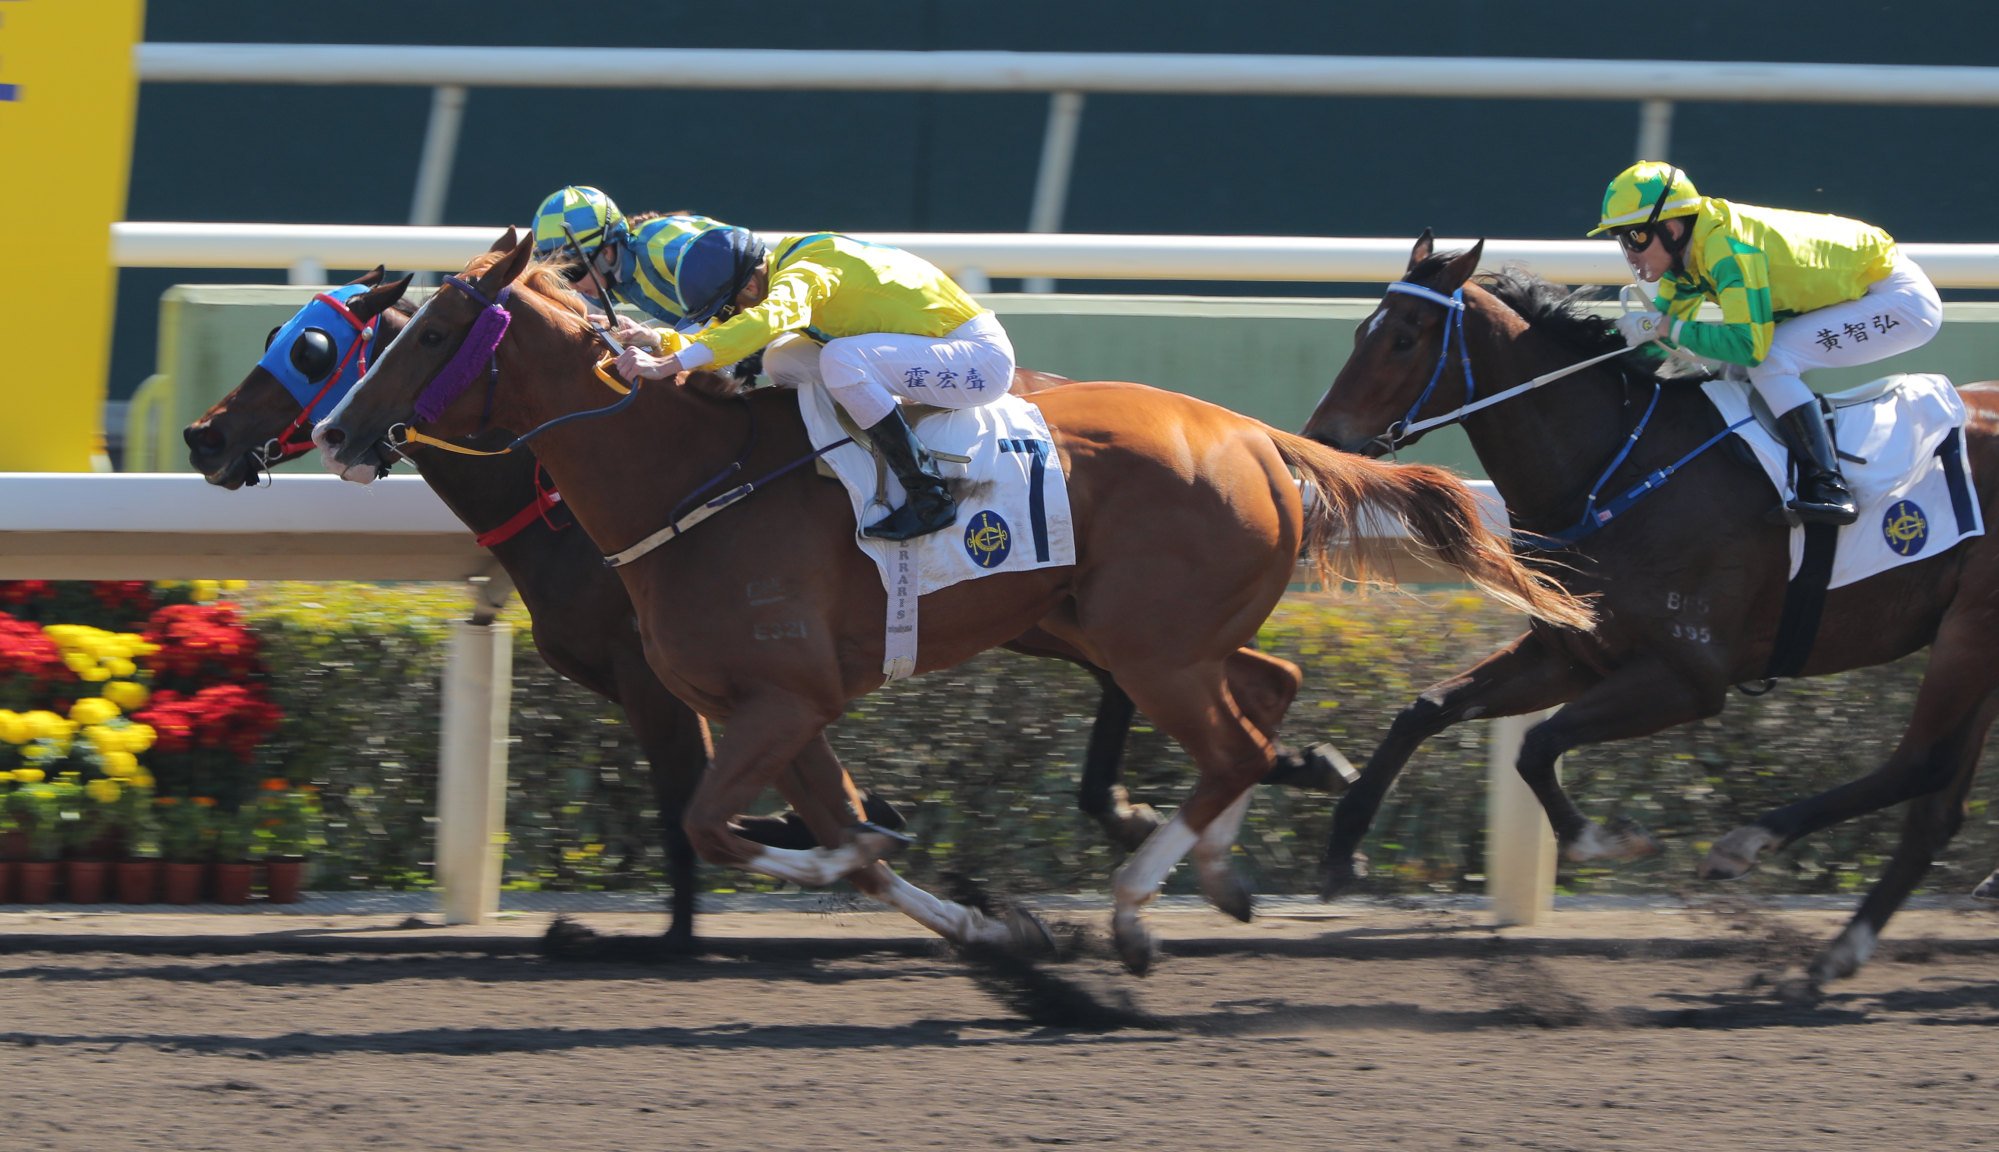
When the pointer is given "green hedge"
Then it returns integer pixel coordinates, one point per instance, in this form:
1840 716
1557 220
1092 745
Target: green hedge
983 759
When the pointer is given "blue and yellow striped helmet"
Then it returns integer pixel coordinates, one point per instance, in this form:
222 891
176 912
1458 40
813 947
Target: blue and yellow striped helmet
689 267
589 215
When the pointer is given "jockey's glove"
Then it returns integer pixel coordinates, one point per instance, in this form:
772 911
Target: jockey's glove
1643 327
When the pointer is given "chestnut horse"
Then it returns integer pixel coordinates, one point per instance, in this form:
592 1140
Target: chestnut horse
1188 525
1690 581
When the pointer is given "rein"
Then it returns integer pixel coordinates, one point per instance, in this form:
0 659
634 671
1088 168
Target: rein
1593 517
482 344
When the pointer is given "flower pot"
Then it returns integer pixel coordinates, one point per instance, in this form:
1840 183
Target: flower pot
181 883
35 880
232 882
282 878
138 881
83 880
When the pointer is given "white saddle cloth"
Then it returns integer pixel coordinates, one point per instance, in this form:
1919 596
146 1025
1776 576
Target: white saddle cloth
1914 487
1013 505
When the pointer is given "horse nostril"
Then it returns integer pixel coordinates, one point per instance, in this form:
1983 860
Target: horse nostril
203 438
332 437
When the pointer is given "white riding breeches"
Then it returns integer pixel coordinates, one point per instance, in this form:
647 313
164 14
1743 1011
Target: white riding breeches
1899 312
969 366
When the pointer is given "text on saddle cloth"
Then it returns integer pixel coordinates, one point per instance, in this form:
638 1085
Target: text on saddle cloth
1013 504
1901 442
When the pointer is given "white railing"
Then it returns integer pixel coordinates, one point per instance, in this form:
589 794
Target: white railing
1074 256
1067 76
174 526
1204 74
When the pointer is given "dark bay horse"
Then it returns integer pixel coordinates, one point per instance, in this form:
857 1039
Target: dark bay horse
1188 525
1689 583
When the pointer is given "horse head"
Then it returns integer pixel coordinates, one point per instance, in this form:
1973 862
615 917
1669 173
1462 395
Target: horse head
309 364
1397 373
443 375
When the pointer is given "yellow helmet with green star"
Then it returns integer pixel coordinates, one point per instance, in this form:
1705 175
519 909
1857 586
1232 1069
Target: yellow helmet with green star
1650 190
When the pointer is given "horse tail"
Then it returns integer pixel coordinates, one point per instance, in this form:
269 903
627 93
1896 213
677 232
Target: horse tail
1438 511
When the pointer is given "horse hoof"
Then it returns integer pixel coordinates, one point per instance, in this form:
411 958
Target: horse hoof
1989 890
1136 945
1341 877
882 813
1320 768
1624 839
1735 854
1029 934
1134 823
1227 892
877 843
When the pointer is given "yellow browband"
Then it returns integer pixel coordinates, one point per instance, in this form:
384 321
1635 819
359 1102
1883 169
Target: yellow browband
412 436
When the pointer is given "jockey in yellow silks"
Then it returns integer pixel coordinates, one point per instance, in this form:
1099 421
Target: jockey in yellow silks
868 322
1797 291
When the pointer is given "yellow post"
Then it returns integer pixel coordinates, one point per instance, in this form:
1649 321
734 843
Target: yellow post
67 93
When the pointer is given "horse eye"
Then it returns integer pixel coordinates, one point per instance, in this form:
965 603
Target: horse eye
314 354
270 336
431 338
1404 342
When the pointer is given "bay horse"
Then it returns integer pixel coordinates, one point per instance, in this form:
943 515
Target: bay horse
582 616
1689 582
1188 525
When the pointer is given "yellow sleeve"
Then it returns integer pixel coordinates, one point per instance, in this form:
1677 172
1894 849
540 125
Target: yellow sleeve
794 293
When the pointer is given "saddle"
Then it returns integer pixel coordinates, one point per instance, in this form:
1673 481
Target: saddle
915 414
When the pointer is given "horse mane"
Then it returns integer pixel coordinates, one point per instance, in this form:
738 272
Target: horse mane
1559 311
547 276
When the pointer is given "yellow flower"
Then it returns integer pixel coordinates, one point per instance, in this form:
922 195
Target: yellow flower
94 675
43 724
143 779
125 694
102 790
29 775
6 777
139 737
35 751
14 727
78 662
121 765
206 590
120 665
93 710
234 585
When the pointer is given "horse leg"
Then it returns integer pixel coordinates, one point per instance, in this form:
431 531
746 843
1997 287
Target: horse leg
1524 676
1194 706
1955 685
676 743
1637 700
1988 889
1262 687
1099 794
764 736
822 794
1929 825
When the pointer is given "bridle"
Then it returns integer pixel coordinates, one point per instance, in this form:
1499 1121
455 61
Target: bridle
1595 514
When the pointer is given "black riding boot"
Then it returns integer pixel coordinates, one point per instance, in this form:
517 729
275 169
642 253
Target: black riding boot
929 506
1823 497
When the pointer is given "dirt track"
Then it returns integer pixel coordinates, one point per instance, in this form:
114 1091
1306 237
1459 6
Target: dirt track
1354 1027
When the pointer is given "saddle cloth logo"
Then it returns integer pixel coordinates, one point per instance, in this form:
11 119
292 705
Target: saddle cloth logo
987 540
1905 528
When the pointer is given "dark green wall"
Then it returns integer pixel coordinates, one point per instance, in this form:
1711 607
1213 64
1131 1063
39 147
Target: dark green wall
1151 164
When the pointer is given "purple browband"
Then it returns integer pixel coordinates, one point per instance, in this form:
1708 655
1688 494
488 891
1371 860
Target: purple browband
473 357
